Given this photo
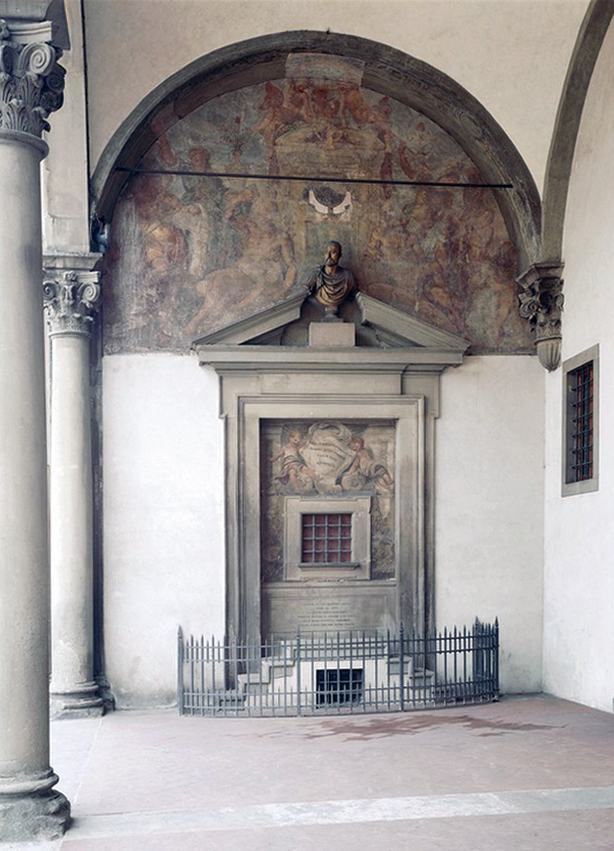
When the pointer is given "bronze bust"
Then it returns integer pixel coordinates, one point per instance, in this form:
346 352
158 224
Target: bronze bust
331 284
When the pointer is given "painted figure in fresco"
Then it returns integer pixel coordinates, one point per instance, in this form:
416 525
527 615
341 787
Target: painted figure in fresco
263 268
365 471
331 283
295 474
198 254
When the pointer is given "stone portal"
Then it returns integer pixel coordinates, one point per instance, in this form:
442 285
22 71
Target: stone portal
329 461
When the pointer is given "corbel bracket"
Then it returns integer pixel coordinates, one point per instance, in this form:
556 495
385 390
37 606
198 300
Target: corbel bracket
541 304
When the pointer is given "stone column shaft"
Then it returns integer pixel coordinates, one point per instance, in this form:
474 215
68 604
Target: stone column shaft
24 600
69 302
29 806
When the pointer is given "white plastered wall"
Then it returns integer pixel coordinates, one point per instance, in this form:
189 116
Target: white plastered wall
163 518
164 523
489 515
579 530
499 50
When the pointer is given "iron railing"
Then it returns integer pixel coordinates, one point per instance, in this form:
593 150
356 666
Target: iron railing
323 674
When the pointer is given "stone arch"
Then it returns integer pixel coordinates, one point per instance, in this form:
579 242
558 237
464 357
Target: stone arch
560 157
385 70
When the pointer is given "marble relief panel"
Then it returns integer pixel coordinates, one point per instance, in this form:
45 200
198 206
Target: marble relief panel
329 459
190 253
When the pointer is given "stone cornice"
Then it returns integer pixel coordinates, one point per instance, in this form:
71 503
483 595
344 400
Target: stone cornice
286 359
71 299
31 81
541 304
78 261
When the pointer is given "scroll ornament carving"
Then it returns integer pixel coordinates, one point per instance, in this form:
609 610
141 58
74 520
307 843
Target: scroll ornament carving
541 303
31 83
71 302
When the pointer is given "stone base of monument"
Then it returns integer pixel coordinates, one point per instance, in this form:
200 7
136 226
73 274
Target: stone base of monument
332 334
33 817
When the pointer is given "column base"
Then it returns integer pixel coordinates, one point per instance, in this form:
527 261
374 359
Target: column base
81 701
33 816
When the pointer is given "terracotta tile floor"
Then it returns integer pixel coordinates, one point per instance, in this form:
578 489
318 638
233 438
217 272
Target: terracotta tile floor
527 774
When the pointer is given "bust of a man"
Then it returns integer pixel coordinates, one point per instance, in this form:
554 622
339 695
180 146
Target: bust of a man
331 284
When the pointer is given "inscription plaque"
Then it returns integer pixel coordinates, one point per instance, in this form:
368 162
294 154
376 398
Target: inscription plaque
328 454
329 614
339 607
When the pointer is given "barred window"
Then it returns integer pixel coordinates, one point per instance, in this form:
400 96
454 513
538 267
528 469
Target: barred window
580 422
326 538
339 685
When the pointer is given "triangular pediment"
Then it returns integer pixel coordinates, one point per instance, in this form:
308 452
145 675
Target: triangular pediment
393 328
260 328
399 329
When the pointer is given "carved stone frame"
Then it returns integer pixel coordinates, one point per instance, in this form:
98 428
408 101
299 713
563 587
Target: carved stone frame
398 382
359 507
408 413
411 399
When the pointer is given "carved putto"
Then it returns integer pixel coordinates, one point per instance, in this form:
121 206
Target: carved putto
328 459
31 81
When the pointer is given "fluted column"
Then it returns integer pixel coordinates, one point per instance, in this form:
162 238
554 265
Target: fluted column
71 299
31 85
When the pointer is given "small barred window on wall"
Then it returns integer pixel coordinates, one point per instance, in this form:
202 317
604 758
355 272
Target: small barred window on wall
326 538
581 423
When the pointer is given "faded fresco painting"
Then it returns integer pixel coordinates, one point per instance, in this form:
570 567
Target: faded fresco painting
190 253
330 459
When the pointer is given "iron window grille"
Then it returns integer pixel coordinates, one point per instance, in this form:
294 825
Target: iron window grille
580 424
339 685
581 390
326 538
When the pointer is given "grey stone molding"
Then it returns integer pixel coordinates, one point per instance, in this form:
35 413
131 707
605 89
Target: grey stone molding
541 304
575 89
71 299
397 328
260 326
405 341
31 81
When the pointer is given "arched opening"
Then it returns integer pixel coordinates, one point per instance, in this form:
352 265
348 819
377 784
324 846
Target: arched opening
222 190
257 154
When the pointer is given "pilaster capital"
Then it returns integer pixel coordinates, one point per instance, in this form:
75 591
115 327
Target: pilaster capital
71 299
541 304
31 81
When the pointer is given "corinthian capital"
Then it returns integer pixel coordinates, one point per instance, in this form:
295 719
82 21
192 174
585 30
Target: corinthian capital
541 304
31 81
71 300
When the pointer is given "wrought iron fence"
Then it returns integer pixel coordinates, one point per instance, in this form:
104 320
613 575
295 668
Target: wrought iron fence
324 674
